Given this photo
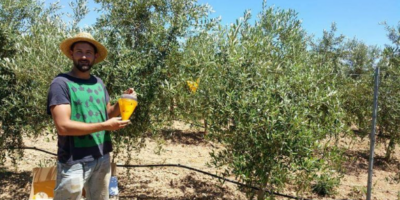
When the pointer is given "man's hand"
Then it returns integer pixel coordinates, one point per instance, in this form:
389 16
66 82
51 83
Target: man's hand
130 91
116 123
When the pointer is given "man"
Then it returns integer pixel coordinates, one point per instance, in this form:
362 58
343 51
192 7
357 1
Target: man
79 105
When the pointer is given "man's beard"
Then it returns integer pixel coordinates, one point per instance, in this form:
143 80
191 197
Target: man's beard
83 65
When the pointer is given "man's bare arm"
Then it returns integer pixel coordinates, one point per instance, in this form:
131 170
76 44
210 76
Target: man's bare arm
113 110
65 126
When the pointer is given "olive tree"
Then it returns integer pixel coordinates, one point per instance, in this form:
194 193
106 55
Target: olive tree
33 33
272 104
145 40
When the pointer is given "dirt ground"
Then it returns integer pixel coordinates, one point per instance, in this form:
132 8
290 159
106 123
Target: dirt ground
186 146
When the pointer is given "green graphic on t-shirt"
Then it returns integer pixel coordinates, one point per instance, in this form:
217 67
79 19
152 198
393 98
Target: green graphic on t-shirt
88 104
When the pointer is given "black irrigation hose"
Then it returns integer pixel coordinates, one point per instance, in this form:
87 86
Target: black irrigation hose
34 148
181 166
213 175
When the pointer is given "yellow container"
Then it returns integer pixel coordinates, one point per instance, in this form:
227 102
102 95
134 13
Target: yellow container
193 85
127 104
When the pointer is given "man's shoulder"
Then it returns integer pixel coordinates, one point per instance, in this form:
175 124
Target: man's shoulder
98 79
60 78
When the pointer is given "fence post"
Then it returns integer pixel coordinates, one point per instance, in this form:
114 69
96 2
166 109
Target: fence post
372 135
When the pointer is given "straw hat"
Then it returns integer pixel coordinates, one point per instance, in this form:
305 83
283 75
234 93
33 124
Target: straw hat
83 37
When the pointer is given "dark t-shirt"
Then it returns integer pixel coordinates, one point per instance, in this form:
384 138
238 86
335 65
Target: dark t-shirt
88 99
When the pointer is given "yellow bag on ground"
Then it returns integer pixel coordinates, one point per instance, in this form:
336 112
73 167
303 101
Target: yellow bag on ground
43 183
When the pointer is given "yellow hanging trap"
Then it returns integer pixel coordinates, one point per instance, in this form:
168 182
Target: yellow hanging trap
193 85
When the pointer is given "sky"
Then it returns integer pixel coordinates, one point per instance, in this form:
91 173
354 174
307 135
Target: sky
358 19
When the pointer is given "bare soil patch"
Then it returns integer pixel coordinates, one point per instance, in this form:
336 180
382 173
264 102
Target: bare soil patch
186 146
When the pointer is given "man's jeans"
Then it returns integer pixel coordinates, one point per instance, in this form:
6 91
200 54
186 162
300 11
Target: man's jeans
94 176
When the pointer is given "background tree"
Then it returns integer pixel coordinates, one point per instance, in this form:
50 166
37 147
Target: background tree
389 92
329 49
357 83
